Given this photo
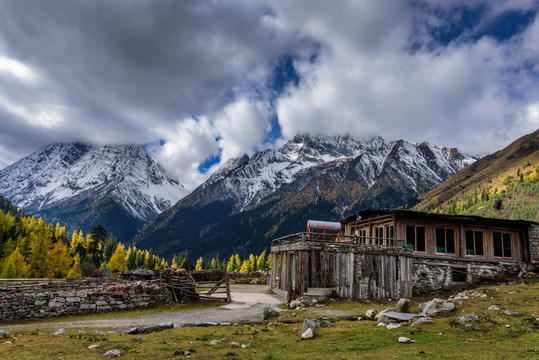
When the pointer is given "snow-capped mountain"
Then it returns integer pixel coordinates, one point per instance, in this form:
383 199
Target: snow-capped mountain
54 178
276 191
249 180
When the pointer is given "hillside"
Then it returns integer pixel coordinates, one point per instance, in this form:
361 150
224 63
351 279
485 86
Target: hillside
504 184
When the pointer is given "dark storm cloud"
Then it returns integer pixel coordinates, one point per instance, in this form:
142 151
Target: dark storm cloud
204 76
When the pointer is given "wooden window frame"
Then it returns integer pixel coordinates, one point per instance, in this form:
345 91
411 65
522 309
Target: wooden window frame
415 237
445 228
503 251
390 234
474 243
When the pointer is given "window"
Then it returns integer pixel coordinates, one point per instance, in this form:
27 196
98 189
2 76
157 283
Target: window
389 231
474 243
362 235
379 231
502 244
415 238
445 241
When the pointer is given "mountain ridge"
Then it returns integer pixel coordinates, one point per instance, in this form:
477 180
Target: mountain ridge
252 199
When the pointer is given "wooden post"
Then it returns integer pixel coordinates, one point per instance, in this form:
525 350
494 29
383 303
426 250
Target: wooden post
228 296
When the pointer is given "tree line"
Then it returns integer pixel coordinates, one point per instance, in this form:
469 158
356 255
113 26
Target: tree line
32 248
235 263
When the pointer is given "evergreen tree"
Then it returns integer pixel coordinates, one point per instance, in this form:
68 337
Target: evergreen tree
231 265
96 244
132 258
110 248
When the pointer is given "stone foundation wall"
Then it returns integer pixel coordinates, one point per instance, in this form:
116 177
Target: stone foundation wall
534 245
443 274
28 302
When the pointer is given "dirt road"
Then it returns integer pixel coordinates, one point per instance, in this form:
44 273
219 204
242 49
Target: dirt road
248 302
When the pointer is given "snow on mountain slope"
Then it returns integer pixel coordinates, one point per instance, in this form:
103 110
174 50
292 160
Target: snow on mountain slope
59 172
249 180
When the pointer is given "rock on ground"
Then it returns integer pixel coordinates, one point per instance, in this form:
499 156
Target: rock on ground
403 306
59 332
4 334
270 312
371 314
404 340
309 324
308 334
510 312
114 353
467 318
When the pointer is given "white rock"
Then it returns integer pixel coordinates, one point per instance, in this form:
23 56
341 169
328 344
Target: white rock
308 334
405 340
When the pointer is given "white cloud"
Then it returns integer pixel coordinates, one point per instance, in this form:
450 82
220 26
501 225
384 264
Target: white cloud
472 94
16 69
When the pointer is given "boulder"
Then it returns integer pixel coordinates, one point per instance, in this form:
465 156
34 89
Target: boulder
447 307
494 307
309 324
371 314
296 304
400 317
270 312
4 334
393 326
403 306
308 334
94 346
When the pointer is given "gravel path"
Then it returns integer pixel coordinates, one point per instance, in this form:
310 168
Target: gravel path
248 302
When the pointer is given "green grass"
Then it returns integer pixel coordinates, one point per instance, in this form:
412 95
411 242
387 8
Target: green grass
345 339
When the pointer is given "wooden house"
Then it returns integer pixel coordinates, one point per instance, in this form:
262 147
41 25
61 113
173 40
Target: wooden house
392 253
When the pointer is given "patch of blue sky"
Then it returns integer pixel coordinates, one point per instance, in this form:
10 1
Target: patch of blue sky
209 162
465 24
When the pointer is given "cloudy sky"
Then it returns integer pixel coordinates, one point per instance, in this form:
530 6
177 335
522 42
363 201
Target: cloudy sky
199 82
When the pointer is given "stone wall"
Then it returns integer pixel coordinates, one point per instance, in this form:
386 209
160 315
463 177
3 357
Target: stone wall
444 274
34 302
534 244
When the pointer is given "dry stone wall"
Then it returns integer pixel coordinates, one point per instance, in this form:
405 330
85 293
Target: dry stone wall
27 302
443 274
534 245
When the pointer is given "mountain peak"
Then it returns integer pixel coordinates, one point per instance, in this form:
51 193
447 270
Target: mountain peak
62 173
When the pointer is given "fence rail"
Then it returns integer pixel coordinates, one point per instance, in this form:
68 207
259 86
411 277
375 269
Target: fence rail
307 237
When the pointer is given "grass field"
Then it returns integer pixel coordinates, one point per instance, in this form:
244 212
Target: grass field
490 338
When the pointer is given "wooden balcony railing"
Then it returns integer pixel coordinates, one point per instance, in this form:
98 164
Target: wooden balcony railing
331 238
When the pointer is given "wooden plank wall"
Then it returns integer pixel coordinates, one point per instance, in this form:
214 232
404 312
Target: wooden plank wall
353 275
